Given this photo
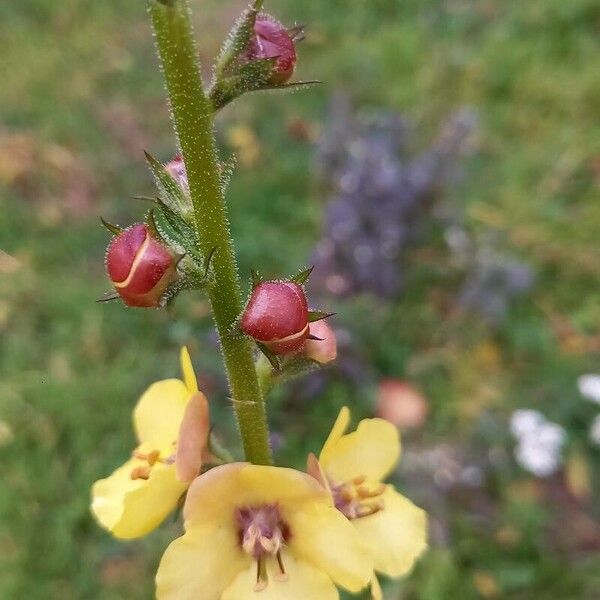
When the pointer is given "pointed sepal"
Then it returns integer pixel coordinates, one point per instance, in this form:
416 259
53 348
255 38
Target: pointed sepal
114 229
302 277
171 193
318 315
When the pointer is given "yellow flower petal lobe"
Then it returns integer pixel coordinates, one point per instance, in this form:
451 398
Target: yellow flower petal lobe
132 508
376 592
339 428
187 368
397 535
322 536
159 413
213 497
371 451
200 564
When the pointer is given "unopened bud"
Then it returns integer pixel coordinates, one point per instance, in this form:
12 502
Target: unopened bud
140 267
324 349
277 316
176 169
272 40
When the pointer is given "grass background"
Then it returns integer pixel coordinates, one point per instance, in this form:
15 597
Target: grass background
81 97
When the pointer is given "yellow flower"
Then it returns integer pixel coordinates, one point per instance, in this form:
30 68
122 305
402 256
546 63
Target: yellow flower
353 466
271 530
138 496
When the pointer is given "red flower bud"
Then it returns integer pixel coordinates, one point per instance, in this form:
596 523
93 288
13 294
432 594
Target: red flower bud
323 350
272 40
140 267
277 316
176 169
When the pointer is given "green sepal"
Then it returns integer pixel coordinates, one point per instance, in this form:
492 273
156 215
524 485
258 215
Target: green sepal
303 276
297 33
270 356
114 229
236 42
256 278
294 85
247 77
170 191
318 315
108 297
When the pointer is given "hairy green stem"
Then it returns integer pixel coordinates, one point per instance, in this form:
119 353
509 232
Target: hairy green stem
193 120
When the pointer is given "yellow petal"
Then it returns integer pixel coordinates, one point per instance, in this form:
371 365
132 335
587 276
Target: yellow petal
132 508
200 564
159 413
397 535
193 438
372 450
214 496
337 431
189 377
302 582
376 593
324 537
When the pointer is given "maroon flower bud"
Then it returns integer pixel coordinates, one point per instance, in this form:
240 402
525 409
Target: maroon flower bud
176 169
272 40
324 349
140 267
277 316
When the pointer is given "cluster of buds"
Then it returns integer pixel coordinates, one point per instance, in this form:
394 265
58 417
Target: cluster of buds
149 263
278 319
259 54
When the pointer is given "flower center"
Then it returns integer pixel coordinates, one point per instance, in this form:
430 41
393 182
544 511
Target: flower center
356 498
263 534
150 458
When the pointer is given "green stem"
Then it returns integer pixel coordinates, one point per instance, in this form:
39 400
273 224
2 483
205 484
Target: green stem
192 116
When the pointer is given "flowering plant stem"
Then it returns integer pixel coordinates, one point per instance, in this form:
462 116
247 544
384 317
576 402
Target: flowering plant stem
193 120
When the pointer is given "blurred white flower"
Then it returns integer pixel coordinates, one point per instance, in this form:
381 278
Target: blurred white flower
540 442
589 387
595 431
525 421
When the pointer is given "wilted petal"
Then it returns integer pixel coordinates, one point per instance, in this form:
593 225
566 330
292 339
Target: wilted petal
193 438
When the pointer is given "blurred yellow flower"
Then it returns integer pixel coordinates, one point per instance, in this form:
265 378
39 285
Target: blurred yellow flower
272 530
353 466
138 496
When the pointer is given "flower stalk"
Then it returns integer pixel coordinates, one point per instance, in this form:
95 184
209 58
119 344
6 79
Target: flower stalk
193 119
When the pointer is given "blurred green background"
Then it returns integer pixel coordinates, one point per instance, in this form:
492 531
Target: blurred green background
80 98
